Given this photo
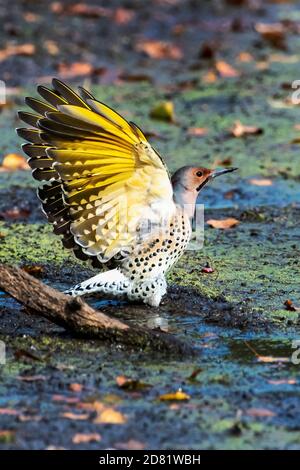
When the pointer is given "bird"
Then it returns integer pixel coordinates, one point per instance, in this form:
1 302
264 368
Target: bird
108 193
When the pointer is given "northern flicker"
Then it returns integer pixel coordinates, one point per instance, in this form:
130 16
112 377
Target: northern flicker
109 193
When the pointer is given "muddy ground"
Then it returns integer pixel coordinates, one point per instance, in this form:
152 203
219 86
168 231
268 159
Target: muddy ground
245 390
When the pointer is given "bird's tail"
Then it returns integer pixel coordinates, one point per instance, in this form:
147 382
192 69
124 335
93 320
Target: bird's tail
110 282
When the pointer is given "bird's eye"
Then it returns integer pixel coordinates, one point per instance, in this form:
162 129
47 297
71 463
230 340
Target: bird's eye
199 173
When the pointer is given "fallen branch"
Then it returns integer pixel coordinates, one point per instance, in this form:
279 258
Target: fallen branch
78 317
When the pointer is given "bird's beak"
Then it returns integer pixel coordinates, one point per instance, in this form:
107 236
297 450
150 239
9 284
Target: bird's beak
216 173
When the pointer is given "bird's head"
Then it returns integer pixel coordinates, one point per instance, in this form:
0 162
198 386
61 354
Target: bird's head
189 180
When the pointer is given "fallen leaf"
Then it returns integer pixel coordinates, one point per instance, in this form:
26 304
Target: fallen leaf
207 269
80 9
33 270
239 130
13 162
245 57
9 411
65 399
131 384
290 306
163 111
132 444
111 416
225 162
225 70
159 49
260 412
261 182
31 378
223 223
15 213
81 438
76 69
75 387
75 416
194 374
123 15
20 49
273 33
272 359
197 131
282 382
31 17
179 395
51 47
209 77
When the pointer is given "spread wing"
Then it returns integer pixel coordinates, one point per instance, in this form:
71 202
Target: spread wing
104 180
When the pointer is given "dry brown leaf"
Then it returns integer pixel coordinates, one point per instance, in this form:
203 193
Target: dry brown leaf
82 438
75 387
75 416
290 306
34 270
80 9
209 77
245 57
260 412
239 130
197 131
223 223
179 395
123 15
131 384
76 69
14 161
31 17
132 444
21 49
273 33
225 70
159 49
15 213
261 182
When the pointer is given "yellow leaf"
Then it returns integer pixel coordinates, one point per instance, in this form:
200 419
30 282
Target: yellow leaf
179 395
111 416
163 111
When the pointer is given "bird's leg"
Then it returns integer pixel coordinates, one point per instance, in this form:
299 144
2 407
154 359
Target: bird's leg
110 282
